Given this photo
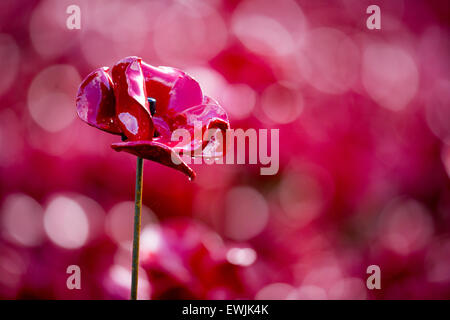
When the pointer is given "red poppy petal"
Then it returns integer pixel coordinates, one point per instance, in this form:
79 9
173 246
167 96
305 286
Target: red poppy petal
173 89
185 93
132 109
157 152
96 102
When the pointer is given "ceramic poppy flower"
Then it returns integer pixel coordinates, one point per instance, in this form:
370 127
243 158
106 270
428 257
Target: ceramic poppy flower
145 105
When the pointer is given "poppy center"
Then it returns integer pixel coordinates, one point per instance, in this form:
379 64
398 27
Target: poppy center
152 105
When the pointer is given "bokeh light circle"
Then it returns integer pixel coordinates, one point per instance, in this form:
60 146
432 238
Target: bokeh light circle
281 104
241 256
119 221
66 223
405 226
389 75
22 220
329 60
51 97
246 212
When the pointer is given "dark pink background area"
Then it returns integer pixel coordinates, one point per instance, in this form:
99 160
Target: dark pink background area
364 119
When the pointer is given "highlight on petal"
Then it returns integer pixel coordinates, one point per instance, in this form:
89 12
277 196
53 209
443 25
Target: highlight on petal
173 89
96 102
132 109
155 151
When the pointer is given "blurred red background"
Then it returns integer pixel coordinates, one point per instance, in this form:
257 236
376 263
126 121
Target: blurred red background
364 119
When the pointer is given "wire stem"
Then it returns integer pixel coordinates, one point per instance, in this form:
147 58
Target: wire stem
137 228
